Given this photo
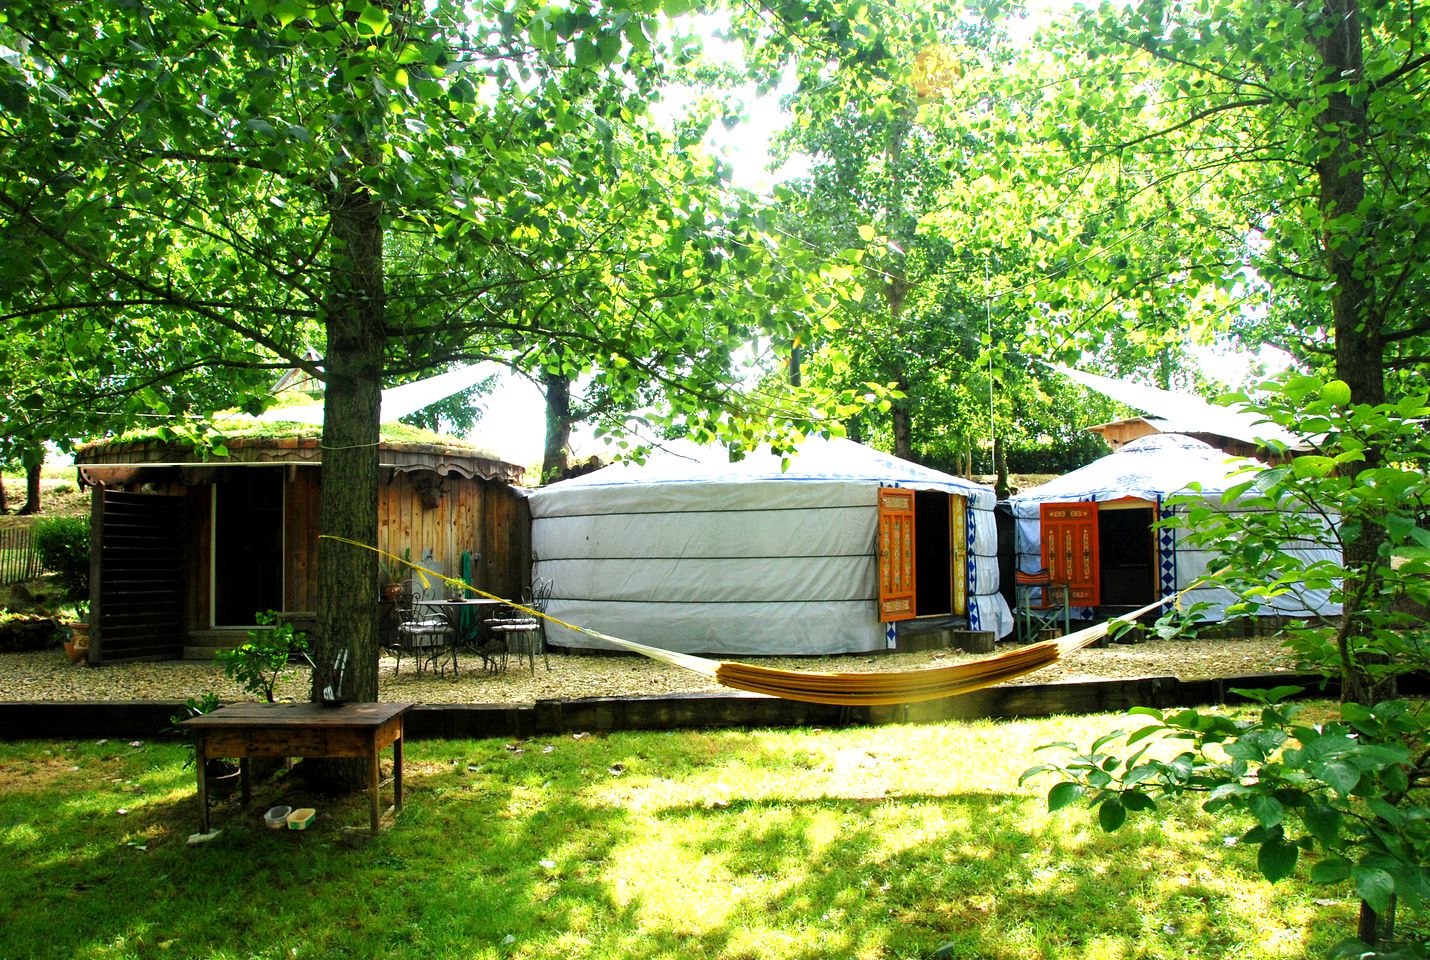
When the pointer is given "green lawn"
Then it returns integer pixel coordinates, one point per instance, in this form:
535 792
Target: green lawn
867 842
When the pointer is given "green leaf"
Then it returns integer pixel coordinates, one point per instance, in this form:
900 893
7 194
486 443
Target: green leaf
1267 810
1137 802
1337 393
1338 775
1064 794
1331 870
1277 858
1375 886
1310 466
1112 814
1034 771
1324 823
286 11
373 21
867 233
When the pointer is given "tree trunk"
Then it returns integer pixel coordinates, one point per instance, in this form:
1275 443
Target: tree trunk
1360 344
347 574
903 420
556 459
32 484
796 374
1001 489
1373 929
3 508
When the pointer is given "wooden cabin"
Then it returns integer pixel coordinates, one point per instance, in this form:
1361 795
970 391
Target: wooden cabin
185 549
1117 433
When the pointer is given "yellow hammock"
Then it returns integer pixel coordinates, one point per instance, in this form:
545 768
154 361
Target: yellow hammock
844 689
868 689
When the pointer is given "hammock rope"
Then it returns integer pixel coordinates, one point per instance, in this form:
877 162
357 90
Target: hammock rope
840 689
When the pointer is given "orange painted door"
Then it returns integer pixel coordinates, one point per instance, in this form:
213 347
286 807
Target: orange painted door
896 554
1070 549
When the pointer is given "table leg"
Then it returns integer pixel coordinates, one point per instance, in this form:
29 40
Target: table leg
199 761
375 772
243 781
397 772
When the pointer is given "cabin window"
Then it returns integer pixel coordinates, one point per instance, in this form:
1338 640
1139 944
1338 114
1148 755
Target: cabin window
247 545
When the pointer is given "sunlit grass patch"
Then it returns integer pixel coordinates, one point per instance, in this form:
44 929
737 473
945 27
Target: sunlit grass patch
863 842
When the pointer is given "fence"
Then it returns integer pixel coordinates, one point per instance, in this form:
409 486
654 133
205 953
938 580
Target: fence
18 559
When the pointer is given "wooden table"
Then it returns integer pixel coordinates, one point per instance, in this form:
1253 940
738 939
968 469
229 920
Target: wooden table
245 730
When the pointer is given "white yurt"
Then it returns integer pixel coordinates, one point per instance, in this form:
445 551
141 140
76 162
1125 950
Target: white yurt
825 553
1094 529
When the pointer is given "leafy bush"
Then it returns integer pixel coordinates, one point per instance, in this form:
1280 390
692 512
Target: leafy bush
1355 791
63 546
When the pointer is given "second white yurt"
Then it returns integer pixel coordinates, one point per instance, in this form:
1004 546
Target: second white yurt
1097 529
825 554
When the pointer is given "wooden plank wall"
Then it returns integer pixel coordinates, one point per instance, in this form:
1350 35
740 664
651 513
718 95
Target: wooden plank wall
482 516
489 518
506 542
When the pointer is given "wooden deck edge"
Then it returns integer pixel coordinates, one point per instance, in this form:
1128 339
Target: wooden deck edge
129 720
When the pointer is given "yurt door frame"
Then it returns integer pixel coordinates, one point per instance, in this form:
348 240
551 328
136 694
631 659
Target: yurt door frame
923 554
1127 552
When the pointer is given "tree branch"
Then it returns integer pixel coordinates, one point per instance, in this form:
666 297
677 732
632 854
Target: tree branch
1405 69
1195 118
168 296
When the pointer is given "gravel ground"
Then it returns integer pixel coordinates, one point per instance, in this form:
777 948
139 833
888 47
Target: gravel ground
48 675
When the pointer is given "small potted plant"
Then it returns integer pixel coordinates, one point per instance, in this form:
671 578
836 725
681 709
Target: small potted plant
221 777
77 645
394 572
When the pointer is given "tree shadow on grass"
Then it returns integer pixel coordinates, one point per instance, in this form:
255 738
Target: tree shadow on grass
503 850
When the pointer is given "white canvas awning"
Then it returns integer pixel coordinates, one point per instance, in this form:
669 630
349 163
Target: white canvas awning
1184 413
399 401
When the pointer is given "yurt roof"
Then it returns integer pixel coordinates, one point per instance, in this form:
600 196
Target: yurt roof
1148 468
815 459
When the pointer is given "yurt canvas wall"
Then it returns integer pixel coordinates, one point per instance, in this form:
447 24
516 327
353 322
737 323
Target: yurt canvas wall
1094 529
693 553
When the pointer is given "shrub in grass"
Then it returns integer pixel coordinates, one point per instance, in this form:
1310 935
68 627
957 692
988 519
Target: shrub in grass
1353 792
257 663
63 546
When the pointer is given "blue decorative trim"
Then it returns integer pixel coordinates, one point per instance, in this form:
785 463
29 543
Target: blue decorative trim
1166 550
970 534
891 636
